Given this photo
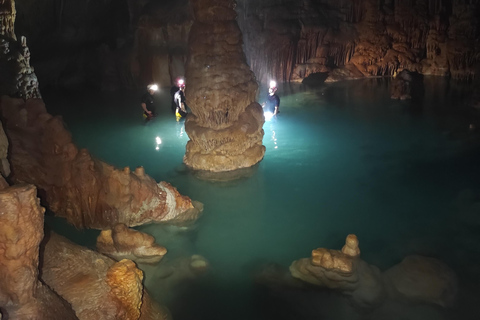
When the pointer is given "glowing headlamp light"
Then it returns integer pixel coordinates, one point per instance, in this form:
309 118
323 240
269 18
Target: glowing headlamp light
273 84
153 87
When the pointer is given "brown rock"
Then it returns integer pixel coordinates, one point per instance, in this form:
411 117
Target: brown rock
84 190
423 279
96 286
124 243
343 272
22 295
225 130
351 246
4 164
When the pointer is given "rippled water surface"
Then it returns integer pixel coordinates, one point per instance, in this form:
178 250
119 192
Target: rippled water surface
342 158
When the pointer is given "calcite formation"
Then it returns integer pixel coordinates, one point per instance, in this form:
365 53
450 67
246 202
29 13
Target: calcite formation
225 127
8 14
122 242
161 42
22 295
343 271
17 77
417 279
96 286
289 40
86 191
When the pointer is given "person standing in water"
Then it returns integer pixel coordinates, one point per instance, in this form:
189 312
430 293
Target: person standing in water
272 104
147 101
179 98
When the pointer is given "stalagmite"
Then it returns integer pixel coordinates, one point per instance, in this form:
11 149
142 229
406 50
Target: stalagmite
225 127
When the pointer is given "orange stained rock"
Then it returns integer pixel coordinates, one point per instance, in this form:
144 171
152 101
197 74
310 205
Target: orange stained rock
123 242
125 281
84 190
351 246
332 260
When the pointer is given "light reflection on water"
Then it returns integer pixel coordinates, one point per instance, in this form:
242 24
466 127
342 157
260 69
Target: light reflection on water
340 159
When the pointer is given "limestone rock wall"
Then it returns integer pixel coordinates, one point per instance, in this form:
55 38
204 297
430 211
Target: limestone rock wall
84 190
4 164
289 40
161 42
22 295
8 14
225 127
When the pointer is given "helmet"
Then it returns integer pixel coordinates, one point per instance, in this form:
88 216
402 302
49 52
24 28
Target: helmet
273 85
153 87
181 83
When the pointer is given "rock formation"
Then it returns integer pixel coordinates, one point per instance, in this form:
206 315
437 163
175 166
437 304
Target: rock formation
289 40
124 243
401 87
84 190
4 164
225 127
8 14
22 295
161 42
416 279
422 279
96 286
343 271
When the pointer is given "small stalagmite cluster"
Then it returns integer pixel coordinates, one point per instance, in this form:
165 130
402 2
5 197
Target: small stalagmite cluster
417 278
225 128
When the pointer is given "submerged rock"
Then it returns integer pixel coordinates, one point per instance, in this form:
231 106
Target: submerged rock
416 279
422 279
122 242
342 271
96 286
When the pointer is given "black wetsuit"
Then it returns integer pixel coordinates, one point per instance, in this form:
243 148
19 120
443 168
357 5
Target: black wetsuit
173 91
179 98
272 101
147 98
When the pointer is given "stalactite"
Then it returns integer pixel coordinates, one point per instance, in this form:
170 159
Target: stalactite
8 14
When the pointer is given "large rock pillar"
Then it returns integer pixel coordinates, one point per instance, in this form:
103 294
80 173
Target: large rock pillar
225 127
22 295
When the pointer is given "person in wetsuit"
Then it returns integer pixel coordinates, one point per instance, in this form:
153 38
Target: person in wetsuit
179 98
272 104
147 101
174 90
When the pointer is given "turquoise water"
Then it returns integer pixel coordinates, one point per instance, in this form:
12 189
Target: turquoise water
342 158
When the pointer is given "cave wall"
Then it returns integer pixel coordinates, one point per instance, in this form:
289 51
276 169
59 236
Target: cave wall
129 43
366 37
77 43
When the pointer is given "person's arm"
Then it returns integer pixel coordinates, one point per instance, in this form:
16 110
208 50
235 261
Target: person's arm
144 107
276 110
